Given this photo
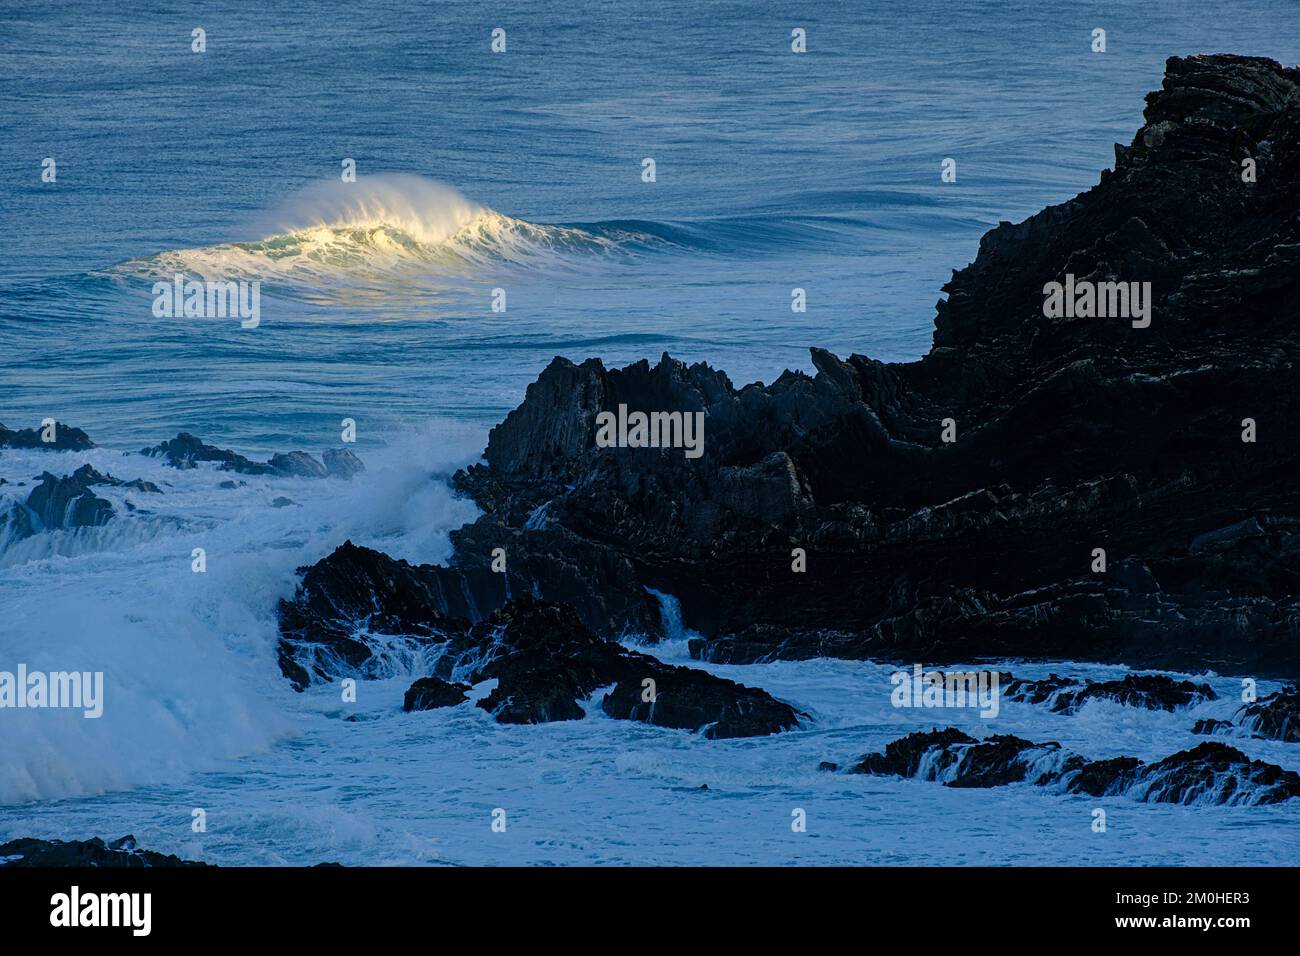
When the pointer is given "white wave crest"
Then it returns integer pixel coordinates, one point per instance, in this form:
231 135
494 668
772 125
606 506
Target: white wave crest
389 227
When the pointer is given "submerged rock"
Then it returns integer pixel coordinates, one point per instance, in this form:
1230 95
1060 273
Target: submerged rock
1210 773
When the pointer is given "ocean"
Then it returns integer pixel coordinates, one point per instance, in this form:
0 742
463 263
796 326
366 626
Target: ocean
519 176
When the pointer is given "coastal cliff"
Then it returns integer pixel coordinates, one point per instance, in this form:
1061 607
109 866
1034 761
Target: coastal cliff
1116 488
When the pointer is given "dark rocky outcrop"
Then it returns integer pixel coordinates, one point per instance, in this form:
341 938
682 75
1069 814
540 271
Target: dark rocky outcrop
187 451
66 502
1066 695
1070 435
66 438
361 613
1209 726
1210 773
430 693
69 502
94 852
1276 716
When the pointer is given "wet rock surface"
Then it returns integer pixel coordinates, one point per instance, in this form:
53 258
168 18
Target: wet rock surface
1070 435
188 451
430 693
68 502
1209 774
1276 716
1065 695
94 852
360 612
66 438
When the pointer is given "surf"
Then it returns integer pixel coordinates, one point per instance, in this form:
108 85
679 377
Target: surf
392 229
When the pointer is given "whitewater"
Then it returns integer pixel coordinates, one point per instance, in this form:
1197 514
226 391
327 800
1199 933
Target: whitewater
197 716
523 174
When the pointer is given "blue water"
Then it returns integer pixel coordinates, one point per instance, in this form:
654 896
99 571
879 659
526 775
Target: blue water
774 171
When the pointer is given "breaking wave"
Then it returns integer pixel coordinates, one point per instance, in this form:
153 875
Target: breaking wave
398 230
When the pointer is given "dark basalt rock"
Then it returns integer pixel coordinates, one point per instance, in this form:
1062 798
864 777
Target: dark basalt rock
1276 716
66 438
351 593
1216 773
545 660
1099 778
902 758
29 852
1148 691
1208 727
1210 773
429 693
1071 434
67 502
187 451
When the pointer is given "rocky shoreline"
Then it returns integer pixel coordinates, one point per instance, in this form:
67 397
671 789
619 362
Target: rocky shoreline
1034 488
1097 501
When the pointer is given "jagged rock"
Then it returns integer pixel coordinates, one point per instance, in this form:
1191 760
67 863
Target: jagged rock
429 693
357 602
1148 691
27 852
1034 691
1071 434
186 451
66 438
1216 773
1210 773
341 463
1276 716
902 757
546 661
1209 726
68 502
282 502
348 594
